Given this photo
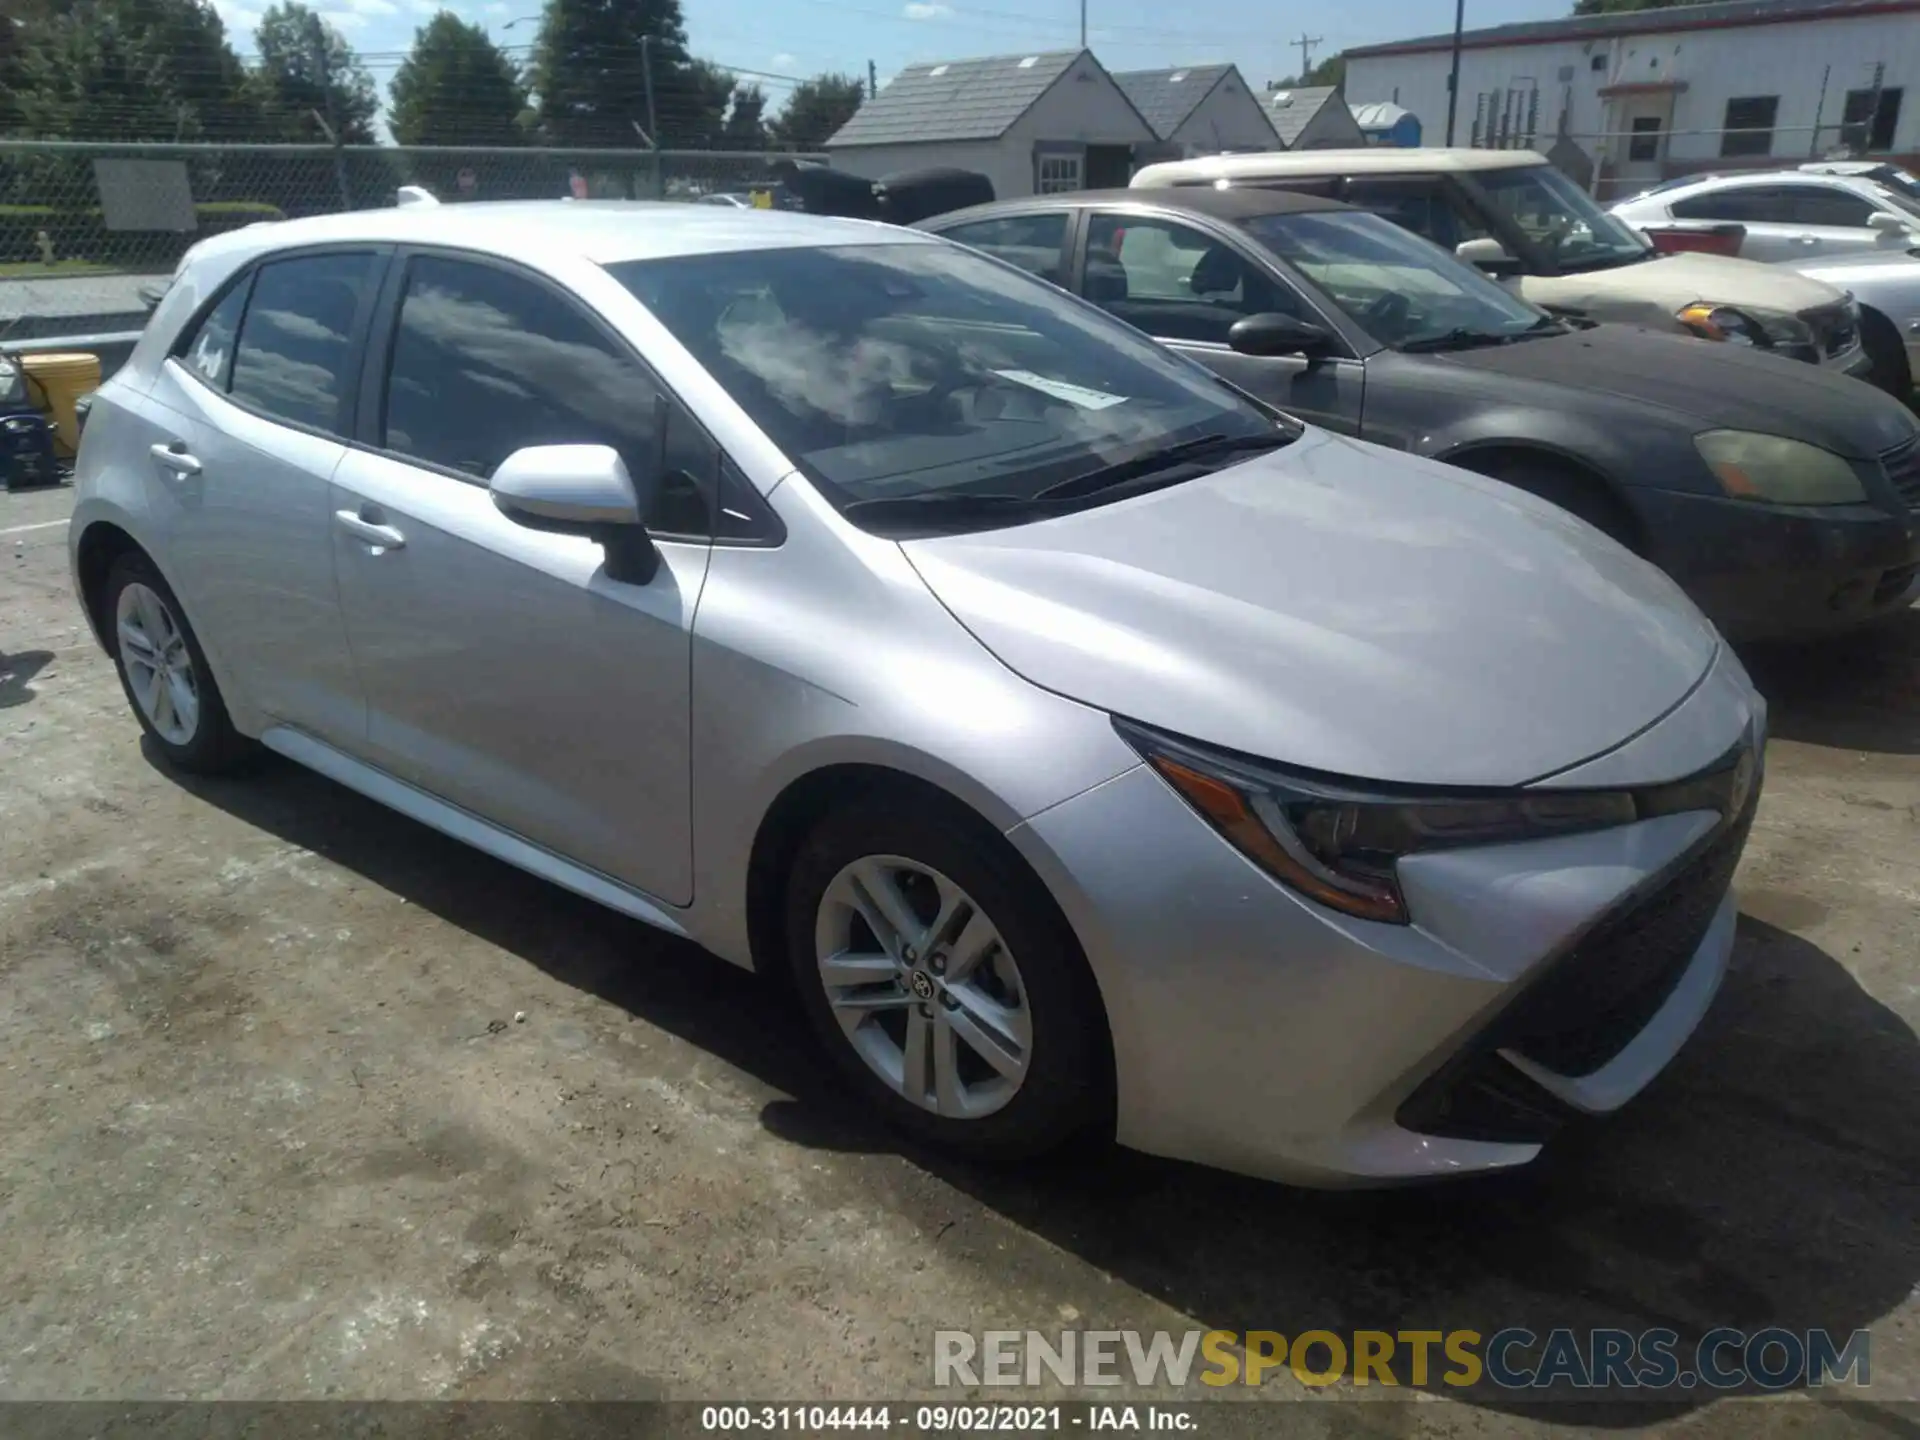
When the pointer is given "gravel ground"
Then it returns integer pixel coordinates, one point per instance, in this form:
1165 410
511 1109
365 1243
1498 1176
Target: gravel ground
270 1126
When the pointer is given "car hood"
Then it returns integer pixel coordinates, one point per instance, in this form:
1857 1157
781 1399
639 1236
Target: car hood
1339 607
1653 291
1709 387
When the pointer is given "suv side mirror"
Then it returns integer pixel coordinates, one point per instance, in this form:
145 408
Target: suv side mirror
1888 223
582 490
1276 334
1489 255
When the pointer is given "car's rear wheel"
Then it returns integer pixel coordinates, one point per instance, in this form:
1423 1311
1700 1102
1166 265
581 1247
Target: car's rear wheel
165 673
944 983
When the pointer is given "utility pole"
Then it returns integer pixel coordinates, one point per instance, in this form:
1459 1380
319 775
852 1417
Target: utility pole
646 76
1453 77
1305 45
1083 24
873 81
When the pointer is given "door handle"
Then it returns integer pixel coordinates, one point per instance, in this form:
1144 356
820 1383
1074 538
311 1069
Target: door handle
176 458
380 537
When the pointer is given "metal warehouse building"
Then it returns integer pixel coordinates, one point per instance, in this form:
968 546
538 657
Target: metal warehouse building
1655 93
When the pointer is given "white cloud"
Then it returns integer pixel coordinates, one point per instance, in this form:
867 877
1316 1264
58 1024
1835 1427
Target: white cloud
239 19
372 7
344 19
498 7
425 7
926 10
784 59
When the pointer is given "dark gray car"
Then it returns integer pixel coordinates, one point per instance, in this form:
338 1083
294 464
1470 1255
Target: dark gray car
1784 499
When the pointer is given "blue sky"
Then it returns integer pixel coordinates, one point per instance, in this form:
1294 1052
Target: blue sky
804 37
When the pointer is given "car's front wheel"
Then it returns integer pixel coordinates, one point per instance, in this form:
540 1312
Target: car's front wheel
944 983
164 671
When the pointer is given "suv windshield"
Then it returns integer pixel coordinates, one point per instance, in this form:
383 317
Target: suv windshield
1401 289
919 371
1571 230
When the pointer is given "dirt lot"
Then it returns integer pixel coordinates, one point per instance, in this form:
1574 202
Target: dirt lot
270 1126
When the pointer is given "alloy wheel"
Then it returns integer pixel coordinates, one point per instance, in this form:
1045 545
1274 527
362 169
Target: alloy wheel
923 986
159 666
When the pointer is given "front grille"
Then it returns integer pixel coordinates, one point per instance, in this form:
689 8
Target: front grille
1585 1007
1902 464
1836 329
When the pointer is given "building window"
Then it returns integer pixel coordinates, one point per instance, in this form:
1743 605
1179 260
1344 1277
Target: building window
1749 125
1599 63
1059 174
1870 119
1645 143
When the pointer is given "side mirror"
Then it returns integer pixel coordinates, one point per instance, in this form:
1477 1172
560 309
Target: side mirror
1275 334
581 490
1489 255
1890 224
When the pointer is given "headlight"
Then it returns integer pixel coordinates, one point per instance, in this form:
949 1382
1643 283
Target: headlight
1760 329
1750 466
1338 843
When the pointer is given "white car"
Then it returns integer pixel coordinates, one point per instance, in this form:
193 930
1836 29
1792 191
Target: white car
1788 214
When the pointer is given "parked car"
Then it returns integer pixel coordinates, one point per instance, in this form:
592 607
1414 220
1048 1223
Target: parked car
1346 320
1516 215
1886 286
1788 214
1095 747
1887 174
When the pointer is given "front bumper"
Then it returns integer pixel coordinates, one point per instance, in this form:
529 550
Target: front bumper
1257 1032
1782 572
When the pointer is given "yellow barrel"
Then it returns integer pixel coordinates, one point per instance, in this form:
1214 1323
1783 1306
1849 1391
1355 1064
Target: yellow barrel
54 382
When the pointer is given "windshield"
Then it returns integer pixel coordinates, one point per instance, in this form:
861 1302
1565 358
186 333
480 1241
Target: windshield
893 371
1906 200
1560 218
1398 287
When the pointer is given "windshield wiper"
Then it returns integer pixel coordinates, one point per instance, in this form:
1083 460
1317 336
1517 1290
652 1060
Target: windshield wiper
1105 477
1464 339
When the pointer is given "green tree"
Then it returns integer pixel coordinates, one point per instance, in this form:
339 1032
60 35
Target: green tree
308 73
816 109
1330 71
122 70
595 62
456 87
746 127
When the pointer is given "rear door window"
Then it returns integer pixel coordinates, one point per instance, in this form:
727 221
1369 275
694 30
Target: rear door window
295 347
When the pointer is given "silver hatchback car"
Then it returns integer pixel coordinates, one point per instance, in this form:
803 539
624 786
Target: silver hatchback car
1097 750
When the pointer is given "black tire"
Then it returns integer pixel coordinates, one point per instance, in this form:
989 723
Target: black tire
1889 369
1065 1094
1581 495
213 746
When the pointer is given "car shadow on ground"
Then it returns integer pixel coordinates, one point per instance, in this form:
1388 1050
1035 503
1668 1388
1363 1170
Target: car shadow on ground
1851 692
1768 1179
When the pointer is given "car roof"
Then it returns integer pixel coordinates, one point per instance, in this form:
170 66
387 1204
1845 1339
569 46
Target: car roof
602 231
1233 203
1277 163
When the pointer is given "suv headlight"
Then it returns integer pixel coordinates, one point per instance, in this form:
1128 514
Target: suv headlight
1751 466
1760 329
1338 842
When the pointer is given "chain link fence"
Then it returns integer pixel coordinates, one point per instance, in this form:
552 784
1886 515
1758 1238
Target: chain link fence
83 225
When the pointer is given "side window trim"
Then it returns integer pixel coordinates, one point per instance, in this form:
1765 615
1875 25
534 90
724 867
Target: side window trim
380 258
377 371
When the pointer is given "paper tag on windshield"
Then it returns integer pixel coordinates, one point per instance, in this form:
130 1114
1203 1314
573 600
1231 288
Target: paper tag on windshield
1073 394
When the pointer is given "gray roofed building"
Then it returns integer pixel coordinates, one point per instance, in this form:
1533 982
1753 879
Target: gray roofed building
954 99
1198 109
1048 121
1313 117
